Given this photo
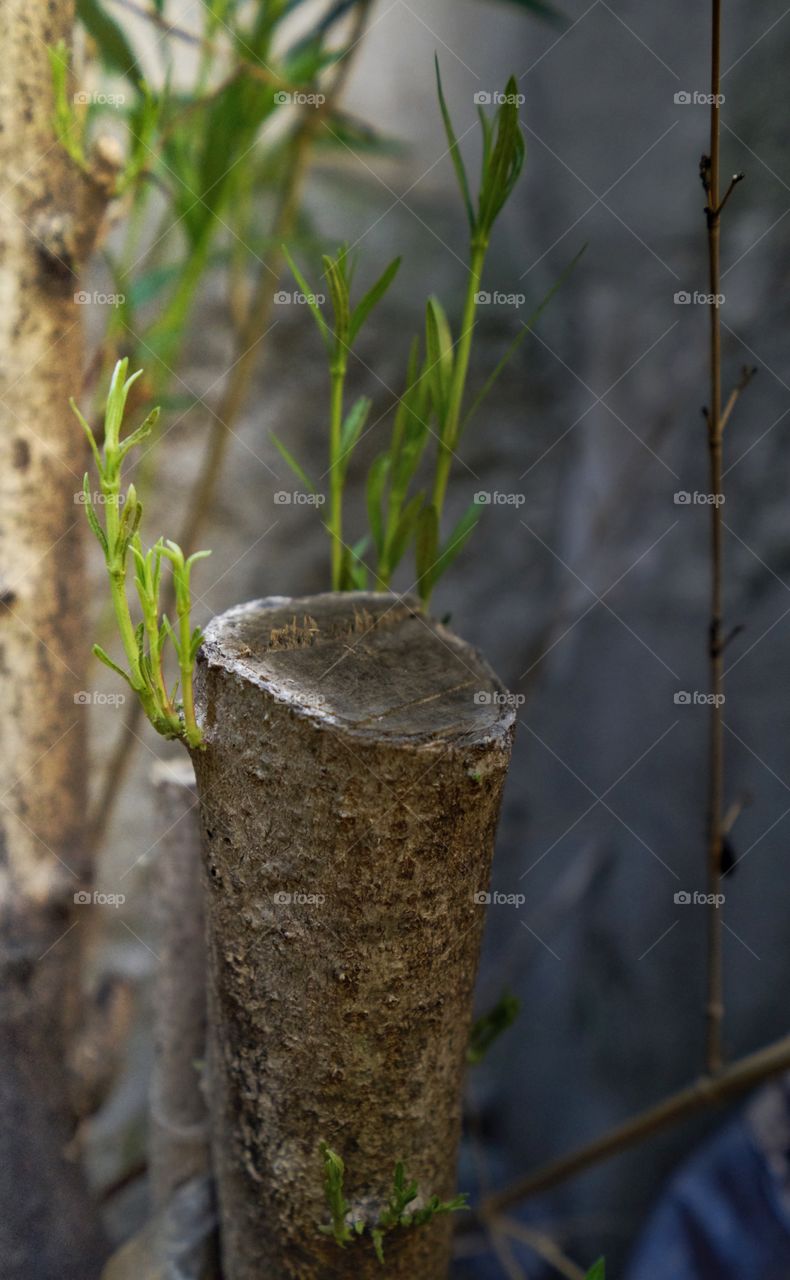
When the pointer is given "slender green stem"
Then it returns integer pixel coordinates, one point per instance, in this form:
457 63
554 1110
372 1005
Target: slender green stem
193 734
338 380
123 617
451 426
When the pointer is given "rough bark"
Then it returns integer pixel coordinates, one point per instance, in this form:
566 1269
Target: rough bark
350 790
47 1226
178 1137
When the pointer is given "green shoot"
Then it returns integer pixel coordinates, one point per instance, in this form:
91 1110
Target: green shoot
69 128
597 1271
334 1171
344 429
434 398
489 1027
502 161
396 1214
143 644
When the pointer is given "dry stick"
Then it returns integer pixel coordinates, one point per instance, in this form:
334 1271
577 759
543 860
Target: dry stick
541 1244
705 1092
715 997
716 420
178 1135
230 406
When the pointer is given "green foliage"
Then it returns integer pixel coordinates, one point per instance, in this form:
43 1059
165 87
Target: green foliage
597 1271
145 643
396 1214
490 1025
213 149
345 429
401 514
334 1171
114 48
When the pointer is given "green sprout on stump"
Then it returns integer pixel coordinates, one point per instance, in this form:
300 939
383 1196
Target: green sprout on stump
344 429
144 644
345 1228
434 405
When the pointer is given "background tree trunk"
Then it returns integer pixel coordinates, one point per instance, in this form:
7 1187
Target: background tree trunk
178 1137
350 791
47 1226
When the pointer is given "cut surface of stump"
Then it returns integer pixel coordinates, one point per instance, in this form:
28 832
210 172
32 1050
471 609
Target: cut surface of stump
350 789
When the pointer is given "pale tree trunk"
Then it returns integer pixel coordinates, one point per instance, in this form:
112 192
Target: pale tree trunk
350 791
47 1226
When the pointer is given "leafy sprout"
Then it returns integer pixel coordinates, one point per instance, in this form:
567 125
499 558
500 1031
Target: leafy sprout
345 429
402 513
144 643
396 1214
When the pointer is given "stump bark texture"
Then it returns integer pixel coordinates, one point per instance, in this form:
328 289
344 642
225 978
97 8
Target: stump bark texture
350 790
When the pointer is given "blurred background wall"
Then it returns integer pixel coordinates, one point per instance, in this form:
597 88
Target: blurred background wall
588 588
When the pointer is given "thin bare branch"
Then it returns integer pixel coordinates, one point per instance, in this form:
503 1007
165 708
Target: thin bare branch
708 1091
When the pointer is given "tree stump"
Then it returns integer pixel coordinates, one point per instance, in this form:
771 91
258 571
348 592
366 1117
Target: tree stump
350 790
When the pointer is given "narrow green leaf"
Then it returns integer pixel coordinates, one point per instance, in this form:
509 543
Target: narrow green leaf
374 295
597 1271
455 150
352 429
426 545
113 46
337 280
142 432
292 463
439 354
405 529
310 295
91 514
91 438
99 653
374 491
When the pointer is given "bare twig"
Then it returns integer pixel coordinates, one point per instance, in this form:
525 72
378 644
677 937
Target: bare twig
541 1244
705 1092
747 373
710 177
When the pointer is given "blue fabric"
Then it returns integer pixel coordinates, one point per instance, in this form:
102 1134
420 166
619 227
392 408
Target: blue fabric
720 1218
